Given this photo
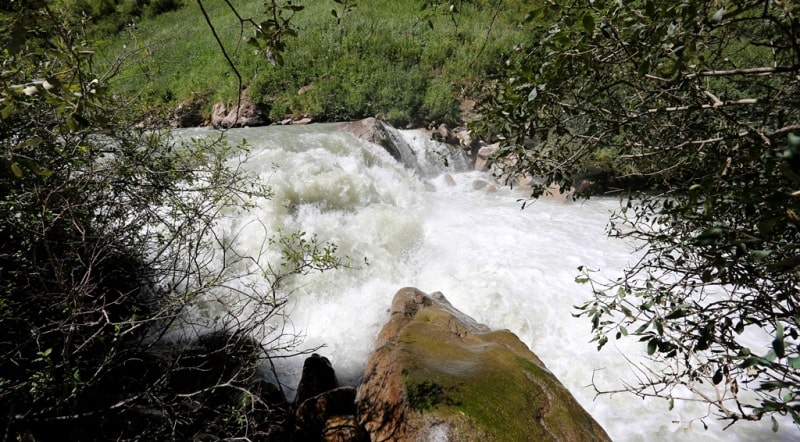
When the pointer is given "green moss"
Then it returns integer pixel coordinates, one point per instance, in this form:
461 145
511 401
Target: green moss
490 379
428 394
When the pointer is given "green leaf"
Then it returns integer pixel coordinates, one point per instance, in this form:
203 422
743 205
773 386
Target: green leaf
794 362
650 8
771 355
679 313
334 13
709 236
775 426
6 112
644 68
651 346
16 169
794 140
759 255
749 362
717 378
536 14
778 344
588 23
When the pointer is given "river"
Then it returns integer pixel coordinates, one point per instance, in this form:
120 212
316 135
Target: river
427 226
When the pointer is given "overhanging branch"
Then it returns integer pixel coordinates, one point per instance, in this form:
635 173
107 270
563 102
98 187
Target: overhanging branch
745 71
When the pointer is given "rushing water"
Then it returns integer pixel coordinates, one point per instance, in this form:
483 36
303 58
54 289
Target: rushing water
427 226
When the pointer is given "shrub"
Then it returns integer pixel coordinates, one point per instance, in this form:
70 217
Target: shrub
107 243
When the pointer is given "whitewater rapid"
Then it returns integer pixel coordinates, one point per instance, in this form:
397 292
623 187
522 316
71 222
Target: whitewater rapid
428 227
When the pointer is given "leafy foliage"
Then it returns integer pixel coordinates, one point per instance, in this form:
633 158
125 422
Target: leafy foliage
107 253
699 99
379 58
112 16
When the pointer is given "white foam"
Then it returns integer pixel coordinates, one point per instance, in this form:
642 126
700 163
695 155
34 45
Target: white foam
505 267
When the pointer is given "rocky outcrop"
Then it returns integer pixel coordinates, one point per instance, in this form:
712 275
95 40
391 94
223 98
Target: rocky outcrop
323 410
186 114
330 414
245 114
437 374
484 154
444 134
373 130
318 377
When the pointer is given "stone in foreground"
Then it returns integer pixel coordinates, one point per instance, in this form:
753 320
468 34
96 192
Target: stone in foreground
438 375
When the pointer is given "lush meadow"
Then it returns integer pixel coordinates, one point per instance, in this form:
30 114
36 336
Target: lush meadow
386 58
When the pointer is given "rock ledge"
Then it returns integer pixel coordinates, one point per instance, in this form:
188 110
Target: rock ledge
437 374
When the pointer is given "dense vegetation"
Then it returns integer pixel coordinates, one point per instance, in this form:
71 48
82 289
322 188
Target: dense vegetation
106 248
102 253
700 100
385 58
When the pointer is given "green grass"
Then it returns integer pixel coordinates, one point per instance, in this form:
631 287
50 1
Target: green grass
383 59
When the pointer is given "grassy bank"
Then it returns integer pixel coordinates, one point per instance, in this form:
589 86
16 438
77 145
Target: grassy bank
385 58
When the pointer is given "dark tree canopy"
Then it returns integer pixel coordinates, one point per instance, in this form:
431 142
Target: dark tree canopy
699 102
107 242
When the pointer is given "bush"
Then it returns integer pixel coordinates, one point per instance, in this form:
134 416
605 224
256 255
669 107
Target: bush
439 103
699 100
106 246
379 58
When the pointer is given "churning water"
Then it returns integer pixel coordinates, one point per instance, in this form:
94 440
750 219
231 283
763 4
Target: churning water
427 226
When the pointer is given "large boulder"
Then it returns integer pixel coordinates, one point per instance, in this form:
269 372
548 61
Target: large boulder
328 415
187 114
245 114
373 130
323 410
437 374
318 377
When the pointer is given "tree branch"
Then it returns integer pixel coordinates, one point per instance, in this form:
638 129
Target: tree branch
745 71
227 58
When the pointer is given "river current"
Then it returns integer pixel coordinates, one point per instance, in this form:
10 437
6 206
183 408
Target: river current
429 224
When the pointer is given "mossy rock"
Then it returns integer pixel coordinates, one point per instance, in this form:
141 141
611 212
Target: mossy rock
438 373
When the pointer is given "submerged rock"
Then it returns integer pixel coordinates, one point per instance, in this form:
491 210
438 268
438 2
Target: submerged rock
373 131
437 374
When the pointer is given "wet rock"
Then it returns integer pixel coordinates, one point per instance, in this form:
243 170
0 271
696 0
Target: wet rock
344 429
373 131
313 414
318 377
443 134
479 184
186 114
245 114
484 155
437 374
